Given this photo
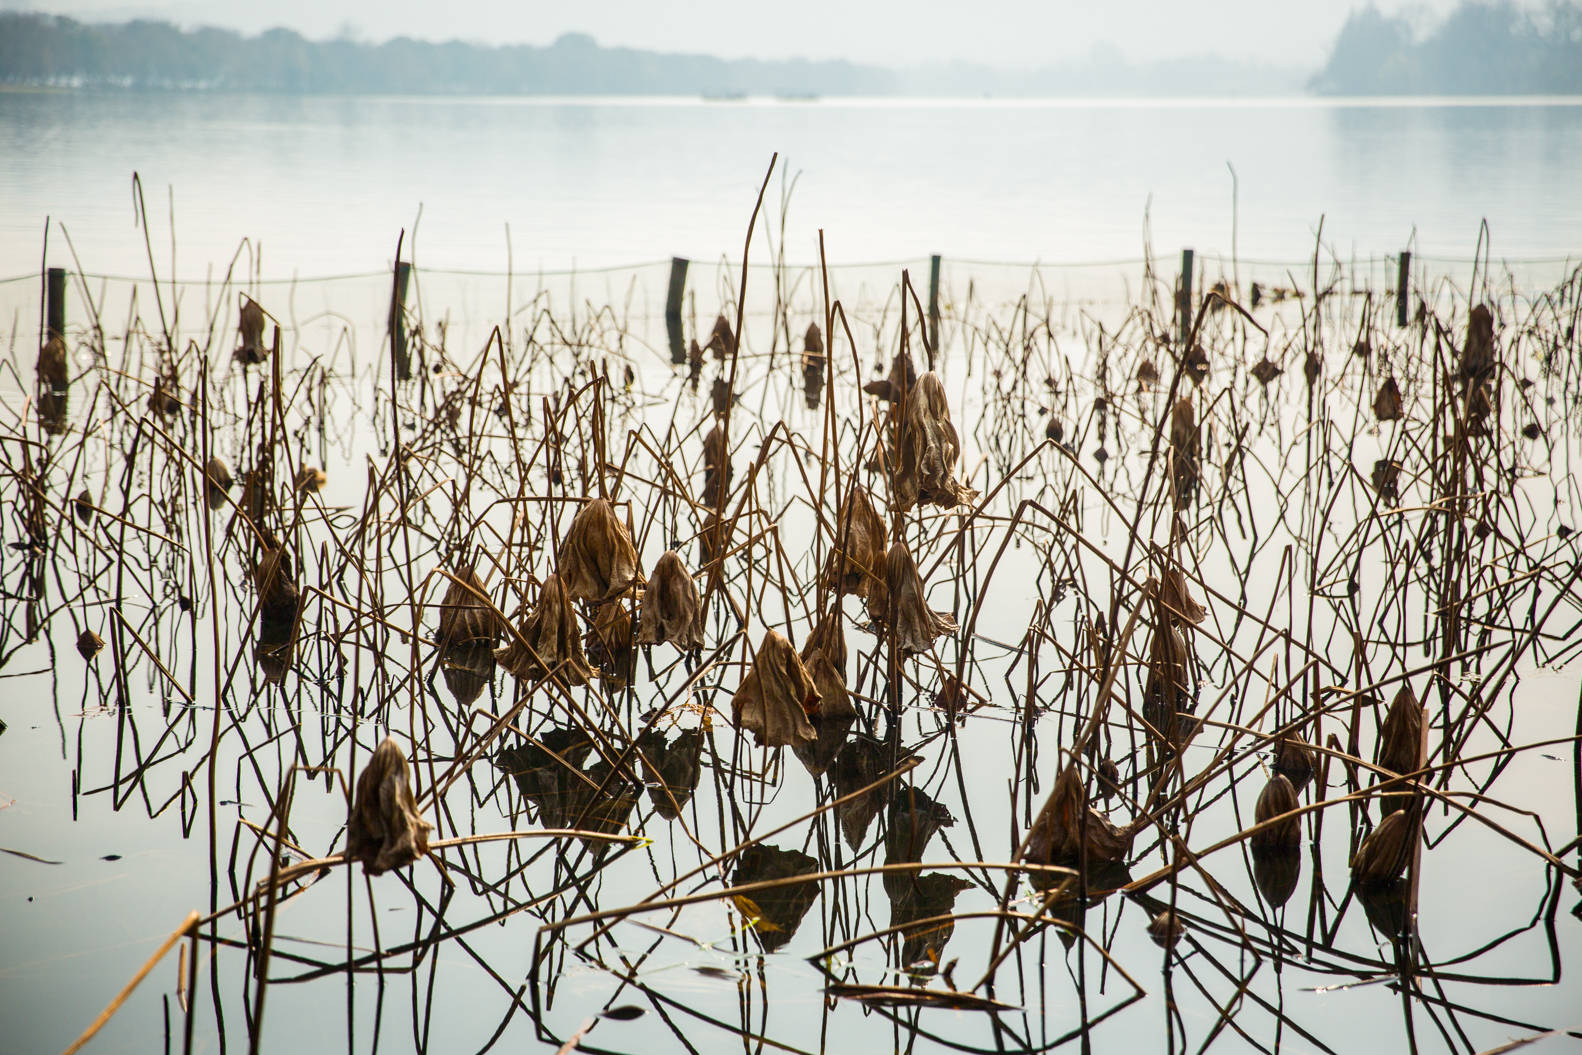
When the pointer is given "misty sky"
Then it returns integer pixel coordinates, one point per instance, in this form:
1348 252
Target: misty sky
1011 32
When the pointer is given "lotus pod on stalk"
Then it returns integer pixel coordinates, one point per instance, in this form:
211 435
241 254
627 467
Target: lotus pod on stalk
930 449
1385 853
217 482
900 606
1278 799
1166 928
1401 735
1184 443
857 567
717 469
385 830
776 696
1293 759
596 558
671 610
1387 404
465 616
549 640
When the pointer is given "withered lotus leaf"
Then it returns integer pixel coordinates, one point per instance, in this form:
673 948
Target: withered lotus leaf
903 609
722 342
1477 354
276 580
856 560
1385 853
54 371
1387 479
1312 367
1184 450
385 830
1401 736
250 327
812 347
609 643
902 376
1147 373
717 469
465 616
596 558
774 912
776 696
549 640
1176 595
670 769
930 449
671 609
1276 801
1387 404
1065 822
824 655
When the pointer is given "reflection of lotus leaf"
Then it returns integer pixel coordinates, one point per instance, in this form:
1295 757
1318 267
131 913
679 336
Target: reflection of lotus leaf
774 912
670 770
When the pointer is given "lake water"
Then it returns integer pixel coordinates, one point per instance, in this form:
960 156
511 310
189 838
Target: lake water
141 784
325 184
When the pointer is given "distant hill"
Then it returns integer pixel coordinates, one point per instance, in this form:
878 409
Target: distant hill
1481 48
45 50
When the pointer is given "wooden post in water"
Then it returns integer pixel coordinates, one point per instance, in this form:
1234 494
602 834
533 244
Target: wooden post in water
1403 288
55 299
1184 296
398 349
933 303
678 287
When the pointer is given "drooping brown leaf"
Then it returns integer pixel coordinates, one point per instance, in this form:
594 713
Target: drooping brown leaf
1387 479
596 558
902 608
1196 364
1477 352
1277 799
813 347
722 340
1184 447
902 376
465 617
550 640
930 449
1176 596
717 468
1387 404
609 645
672 610
1065 823
824 655
776 696
250 328
856 559
385 830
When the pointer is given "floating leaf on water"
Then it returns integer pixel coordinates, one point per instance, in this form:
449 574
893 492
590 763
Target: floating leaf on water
904 996
861 762
1385 853
550 640
89 644
776 696
1278 799
596 558
624 1013
856 560
1387 404
929 449
385 830
916 897
671 609
902 608
545 771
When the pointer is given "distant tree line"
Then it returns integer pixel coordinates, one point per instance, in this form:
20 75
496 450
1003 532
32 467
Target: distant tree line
1482 48
51 50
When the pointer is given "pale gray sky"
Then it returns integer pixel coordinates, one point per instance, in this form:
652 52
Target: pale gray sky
1010 32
